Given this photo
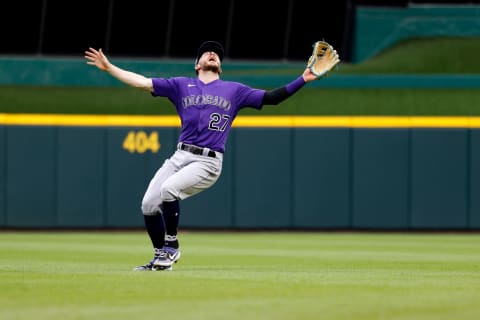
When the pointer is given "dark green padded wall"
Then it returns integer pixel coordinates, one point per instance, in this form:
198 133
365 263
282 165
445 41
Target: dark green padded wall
439 178
272 178
321 178
263 178
31 168
474 179
380 179
3 173
80 176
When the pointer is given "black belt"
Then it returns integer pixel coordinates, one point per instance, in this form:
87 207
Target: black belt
197 150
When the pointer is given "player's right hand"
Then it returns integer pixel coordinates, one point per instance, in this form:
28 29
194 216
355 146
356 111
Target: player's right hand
97 58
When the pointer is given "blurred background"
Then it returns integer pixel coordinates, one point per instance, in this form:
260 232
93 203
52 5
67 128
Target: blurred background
280 30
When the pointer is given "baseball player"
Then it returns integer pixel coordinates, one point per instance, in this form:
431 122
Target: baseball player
207 107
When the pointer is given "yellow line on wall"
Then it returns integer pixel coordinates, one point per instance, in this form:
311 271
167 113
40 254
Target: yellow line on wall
89 120
244 121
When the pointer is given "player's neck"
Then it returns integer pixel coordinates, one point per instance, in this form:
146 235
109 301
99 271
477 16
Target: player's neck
208 76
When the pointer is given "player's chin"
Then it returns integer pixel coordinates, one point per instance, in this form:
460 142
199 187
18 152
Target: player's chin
213 68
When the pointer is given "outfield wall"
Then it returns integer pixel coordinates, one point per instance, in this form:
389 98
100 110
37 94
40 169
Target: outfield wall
40 71
279 172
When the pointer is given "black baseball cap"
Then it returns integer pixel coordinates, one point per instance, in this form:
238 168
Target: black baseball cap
210 46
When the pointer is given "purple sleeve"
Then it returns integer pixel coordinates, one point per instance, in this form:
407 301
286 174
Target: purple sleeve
296 84
255 98
249 97
164 87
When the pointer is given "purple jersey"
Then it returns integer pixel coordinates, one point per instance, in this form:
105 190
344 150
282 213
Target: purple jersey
207 110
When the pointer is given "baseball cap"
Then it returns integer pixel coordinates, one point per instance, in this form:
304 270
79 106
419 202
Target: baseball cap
210 46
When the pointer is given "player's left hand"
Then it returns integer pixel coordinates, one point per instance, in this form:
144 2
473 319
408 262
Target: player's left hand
323 59
308 75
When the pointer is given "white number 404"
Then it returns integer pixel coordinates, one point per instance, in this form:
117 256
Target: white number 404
140 142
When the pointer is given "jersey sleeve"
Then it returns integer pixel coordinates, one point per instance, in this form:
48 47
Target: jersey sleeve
250 97
163 87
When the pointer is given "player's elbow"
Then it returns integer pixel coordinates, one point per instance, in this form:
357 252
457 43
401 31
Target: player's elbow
274 97
144 85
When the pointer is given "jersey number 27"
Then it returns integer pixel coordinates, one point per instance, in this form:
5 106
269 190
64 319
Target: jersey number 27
218 122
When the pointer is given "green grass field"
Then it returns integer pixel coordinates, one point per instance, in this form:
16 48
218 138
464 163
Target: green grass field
252 275
309 101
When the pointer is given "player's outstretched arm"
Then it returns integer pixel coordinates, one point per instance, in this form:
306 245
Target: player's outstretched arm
275 96
97 58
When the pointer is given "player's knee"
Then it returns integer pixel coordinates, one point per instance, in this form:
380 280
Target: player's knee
168 192
150 207
149 210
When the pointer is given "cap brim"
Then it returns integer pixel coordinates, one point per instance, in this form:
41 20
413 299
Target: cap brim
210 46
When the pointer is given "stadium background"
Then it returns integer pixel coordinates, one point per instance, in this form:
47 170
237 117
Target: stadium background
174 28
370 177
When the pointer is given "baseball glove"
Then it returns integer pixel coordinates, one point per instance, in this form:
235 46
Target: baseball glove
323 59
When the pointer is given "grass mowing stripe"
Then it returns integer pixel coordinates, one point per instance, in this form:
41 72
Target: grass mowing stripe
308 101
273 275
